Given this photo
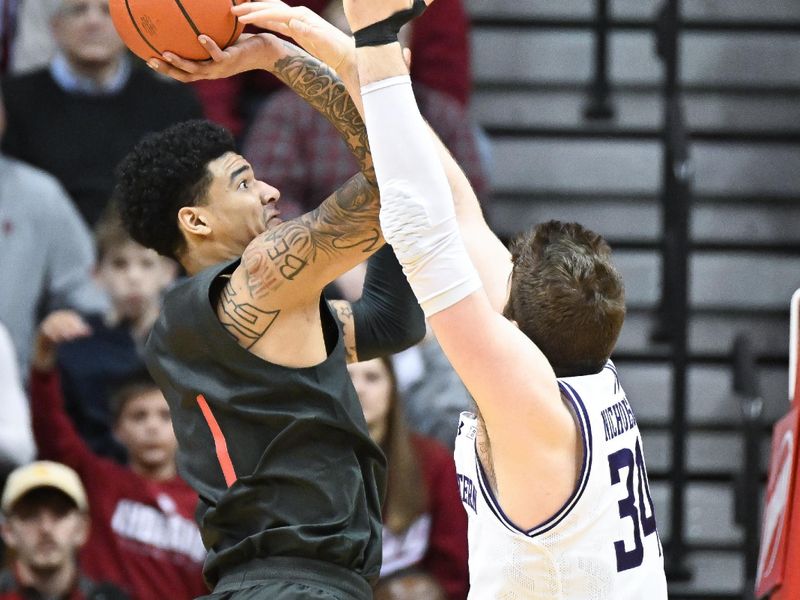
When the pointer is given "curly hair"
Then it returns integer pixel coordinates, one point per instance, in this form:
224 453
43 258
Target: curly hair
566 296
163 173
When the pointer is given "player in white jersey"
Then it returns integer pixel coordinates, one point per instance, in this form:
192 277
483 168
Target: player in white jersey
602 543
551 472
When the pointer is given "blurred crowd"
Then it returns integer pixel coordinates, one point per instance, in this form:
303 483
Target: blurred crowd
93 505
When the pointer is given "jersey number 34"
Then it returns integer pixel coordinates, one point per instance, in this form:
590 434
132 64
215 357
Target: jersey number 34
636 506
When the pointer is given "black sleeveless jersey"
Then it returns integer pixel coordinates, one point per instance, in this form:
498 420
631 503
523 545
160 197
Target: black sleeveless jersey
280 457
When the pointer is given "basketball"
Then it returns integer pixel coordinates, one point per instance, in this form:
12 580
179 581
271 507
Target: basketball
151 27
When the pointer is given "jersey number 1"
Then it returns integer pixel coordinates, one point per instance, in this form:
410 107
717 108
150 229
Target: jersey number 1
624 458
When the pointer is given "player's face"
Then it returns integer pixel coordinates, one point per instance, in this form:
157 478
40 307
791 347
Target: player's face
134 277
144 427
239 206
85 33
374 388
45 530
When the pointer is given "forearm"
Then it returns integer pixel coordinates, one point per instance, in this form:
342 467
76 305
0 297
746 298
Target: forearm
54 433
490 257
330 94
417 214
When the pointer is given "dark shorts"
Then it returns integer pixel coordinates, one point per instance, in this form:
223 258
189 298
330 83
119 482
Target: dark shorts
283 578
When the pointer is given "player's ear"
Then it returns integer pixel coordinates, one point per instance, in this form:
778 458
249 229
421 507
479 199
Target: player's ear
194 221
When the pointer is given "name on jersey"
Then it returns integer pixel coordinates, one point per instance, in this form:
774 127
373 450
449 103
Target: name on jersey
618 418
467 489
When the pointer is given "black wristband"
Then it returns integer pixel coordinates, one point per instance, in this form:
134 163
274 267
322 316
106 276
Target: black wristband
385 32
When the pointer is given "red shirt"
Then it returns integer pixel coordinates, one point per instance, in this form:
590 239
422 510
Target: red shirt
143 535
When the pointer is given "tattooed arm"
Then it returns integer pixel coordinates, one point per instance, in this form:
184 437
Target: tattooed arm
324 91
284 270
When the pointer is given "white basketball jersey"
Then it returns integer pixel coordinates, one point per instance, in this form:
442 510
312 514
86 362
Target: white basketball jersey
602 544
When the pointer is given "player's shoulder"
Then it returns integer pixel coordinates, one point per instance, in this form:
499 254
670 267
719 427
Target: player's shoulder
189 301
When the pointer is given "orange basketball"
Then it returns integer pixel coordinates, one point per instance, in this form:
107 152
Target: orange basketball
150 27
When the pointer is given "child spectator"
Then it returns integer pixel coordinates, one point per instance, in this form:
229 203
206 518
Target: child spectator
143 536
45 525
91 367
424 524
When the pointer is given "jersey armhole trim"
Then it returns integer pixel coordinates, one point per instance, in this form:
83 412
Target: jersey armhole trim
583 478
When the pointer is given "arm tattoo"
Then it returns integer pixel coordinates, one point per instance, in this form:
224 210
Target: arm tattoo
324 91
246 323
344 313
347 221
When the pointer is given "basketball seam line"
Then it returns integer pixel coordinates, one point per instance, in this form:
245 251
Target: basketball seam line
187 17
139 31
235 26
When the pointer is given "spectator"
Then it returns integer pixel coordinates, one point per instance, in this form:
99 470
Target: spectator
143 536
45 525
81 115
297 150
92 367
293 147
433 394
16 437
46 253
439 43
424 525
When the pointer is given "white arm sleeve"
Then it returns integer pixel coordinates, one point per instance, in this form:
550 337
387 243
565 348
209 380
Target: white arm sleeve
417 214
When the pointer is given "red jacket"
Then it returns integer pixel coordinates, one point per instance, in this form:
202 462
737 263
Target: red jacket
143 535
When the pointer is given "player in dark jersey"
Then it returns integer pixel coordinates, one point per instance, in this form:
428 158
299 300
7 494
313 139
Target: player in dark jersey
249 356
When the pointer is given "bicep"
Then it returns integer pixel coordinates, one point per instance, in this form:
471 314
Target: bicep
296 259
509 378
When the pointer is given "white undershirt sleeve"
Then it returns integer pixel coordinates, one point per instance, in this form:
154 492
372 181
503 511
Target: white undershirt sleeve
417 214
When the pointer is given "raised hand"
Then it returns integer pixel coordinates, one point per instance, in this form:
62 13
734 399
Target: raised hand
57 328
313 33
251 51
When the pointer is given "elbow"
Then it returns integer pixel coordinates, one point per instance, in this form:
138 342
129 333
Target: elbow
413 330
417 327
